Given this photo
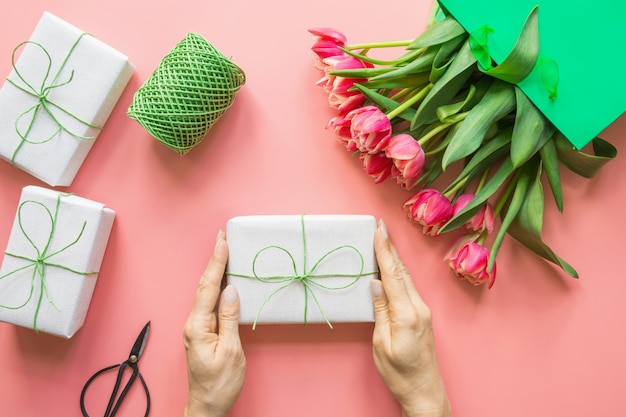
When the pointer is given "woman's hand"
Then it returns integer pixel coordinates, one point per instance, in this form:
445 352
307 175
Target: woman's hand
404 349
215 361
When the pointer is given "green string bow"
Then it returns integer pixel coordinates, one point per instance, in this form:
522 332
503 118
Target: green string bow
43 258
44 104
308 277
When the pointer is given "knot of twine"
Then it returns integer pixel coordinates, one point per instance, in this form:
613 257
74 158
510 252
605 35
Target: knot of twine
189 91
42 259
41 92
308 277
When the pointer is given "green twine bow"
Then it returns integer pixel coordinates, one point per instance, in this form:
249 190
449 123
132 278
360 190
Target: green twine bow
307 278
522 59
44 104
43 258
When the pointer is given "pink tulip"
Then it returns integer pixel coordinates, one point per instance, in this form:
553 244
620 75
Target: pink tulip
327 42
408 159
430 209
340 95
348 102
377 166
481 221
341 126
370 128
468 260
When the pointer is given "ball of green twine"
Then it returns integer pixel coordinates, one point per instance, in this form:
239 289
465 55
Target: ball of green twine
188 92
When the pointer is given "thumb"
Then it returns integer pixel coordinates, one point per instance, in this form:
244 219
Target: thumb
228 313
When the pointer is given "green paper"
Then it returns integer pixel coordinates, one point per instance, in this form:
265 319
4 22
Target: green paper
584 39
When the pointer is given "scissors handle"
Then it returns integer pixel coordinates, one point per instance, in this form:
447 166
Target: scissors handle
113 405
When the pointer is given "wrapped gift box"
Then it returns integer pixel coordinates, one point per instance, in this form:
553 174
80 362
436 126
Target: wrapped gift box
267 262
52 260
82 80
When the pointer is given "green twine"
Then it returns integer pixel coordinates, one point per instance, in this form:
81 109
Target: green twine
39 262
189 91
44 104
307 278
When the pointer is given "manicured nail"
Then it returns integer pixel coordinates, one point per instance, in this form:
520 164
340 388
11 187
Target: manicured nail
383 228
377 287
230 294
220 234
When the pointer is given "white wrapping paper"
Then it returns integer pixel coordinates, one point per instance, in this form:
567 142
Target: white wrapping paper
98 75
264 302
41 232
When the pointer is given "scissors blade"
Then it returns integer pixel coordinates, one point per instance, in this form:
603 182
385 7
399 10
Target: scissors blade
140 343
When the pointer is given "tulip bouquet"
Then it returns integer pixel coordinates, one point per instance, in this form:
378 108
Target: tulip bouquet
444 103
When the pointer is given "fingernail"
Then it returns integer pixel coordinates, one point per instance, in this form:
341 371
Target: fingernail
377 287
220 233
230 294
383 228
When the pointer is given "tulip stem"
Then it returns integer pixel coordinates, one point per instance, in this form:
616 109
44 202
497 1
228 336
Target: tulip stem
505 195
401 93
386 44
456 188
483 179
481 238
409 102
451 121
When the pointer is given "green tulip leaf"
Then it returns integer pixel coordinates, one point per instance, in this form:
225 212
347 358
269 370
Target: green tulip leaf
431 173
408 56
530 132
443 58
520 182
526 229
535 244
484 158
385 103
422 64
522 58
551 167
582 163
482 86
497 103
445 111
531 212
446 87
409 81
440 32
481 197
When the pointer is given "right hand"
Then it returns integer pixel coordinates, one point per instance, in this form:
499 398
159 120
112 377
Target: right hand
403 342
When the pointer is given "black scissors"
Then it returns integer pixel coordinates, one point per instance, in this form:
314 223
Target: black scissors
131 362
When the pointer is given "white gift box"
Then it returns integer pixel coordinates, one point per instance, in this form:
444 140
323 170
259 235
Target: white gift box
82 79
302 269
52 260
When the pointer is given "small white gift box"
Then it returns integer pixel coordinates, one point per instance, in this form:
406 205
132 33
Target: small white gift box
302 269
52 260
57 98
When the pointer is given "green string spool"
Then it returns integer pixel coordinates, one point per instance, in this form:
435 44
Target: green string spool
188 92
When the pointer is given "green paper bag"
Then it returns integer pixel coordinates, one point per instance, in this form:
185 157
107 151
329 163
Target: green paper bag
587 39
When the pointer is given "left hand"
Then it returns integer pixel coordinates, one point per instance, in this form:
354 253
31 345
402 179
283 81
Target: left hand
216 364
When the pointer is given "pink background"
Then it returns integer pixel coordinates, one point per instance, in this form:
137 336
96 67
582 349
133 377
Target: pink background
538 343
